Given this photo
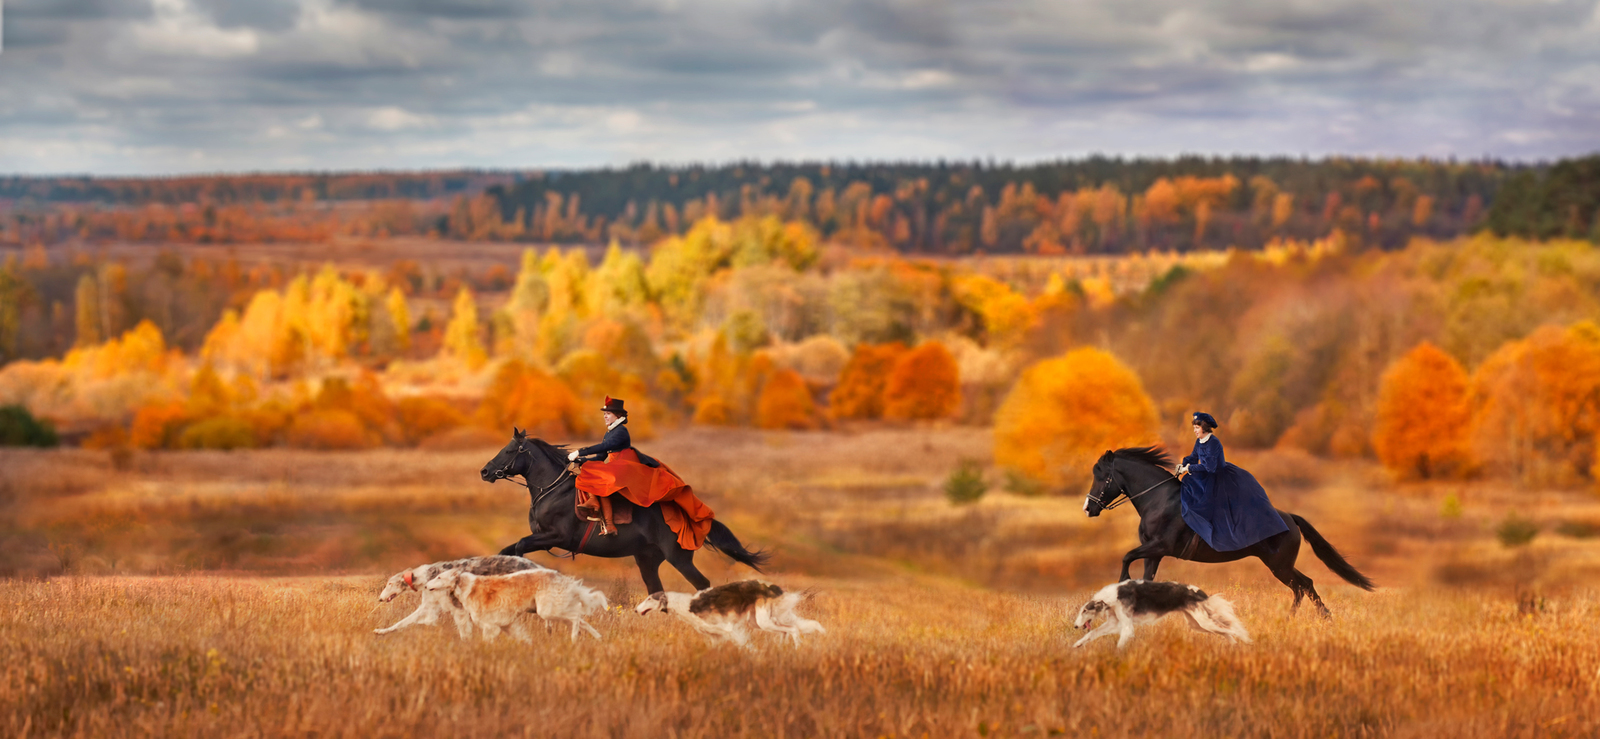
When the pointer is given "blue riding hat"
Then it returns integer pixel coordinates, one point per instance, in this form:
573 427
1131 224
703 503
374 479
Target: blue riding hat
1201 417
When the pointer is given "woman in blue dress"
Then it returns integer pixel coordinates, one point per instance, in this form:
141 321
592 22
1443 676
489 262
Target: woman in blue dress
1221 502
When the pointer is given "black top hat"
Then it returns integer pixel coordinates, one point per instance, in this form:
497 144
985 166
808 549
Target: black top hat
1200 417
614 405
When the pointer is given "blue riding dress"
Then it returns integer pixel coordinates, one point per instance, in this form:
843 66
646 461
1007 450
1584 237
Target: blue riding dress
1223 503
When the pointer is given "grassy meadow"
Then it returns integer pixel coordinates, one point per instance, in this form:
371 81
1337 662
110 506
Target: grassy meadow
215 593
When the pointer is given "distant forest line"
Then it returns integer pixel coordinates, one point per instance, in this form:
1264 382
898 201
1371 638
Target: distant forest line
1096 205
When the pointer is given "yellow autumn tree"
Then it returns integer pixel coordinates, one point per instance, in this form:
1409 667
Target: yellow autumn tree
400 318
463 339
924 384
786 402
1422 427
1063 413
1005 313
859 393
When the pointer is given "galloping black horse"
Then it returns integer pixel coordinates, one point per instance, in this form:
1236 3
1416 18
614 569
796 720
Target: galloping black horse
553 492
1142 474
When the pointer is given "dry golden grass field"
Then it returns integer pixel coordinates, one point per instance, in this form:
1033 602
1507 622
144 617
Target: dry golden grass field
215 594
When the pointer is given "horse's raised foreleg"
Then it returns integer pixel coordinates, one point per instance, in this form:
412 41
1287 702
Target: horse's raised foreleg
532 543
682 560
649 562
1145 552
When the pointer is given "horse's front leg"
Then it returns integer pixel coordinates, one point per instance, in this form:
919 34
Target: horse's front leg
532 543
1151 564
1144 551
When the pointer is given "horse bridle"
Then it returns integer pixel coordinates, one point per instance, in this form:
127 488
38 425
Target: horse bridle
1123 493
504 474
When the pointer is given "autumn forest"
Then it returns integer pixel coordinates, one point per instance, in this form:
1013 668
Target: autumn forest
1420 313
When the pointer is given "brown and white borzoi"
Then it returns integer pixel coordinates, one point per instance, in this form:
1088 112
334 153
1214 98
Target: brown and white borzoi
1132 603
496 602
435 603
725 612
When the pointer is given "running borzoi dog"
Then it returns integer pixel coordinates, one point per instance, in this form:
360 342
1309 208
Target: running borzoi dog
435 603
726 612
496 602
1132 603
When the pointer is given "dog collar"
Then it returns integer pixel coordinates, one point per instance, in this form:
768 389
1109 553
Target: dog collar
409 579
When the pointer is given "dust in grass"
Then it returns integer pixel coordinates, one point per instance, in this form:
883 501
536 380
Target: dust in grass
210 656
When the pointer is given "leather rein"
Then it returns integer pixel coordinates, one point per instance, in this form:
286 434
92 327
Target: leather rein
1129 498
504 473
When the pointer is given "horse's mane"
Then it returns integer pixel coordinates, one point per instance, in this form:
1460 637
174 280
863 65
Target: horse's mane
1149 454
556 453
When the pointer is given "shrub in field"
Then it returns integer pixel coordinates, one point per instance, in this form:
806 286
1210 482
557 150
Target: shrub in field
1538 406
1063 413
218 432
1422 427
330 430
1516 531
859 393
965 483
786 403
18 427
157 426
422 416
924 384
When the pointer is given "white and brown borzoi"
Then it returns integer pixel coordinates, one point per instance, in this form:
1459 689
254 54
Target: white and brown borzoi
725 612
1131 603
497 602
435 603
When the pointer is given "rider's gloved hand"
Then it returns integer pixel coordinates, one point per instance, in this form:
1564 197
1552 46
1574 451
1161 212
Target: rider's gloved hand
573 457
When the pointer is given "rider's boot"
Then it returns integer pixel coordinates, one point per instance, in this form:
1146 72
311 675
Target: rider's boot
607 528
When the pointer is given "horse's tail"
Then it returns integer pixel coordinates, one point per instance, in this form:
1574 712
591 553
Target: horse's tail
1331 557
721 538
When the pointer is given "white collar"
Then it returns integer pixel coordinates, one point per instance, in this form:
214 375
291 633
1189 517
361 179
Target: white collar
620 420
1204 439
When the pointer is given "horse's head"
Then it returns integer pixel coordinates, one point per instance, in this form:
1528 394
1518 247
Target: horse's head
512 460
1116 470
1106 486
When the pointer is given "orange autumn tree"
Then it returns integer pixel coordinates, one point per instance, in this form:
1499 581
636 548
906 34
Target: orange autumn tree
785 402
529 398
859 393
1422 427
924 384
1538 406
1063 413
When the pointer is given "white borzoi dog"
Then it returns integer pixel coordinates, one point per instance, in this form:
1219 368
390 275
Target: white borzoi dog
1132 603
726 612
435 603
496 602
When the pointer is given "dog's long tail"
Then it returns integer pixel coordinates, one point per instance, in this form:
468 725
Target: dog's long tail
721 538
592 599
1331 557
1217 616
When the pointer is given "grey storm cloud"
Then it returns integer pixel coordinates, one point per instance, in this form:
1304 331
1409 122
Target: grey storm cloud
135 86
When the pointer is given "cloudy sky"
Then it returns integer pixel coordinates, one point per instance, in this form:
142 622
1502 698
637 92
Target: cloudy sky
164 86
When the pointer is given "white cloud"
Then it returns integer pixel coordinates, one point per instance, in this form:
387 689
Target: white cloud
393 118
178 29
